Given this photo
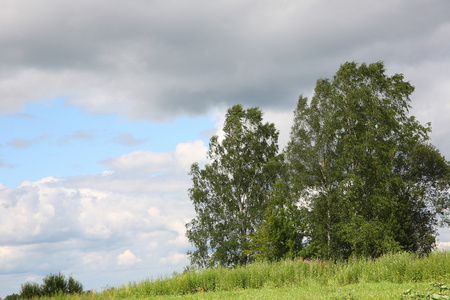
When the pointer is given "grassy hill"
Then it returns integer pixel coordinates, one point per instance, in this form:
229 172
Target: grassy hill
395 276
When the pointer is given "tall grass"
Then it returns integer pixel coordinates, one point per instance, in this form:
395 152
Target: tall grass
392 268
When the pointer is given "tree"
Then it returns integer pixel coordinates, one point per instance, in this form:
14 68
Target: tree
58 283
12 297
74 286
364 168
53 284
30 290
230 193
280 234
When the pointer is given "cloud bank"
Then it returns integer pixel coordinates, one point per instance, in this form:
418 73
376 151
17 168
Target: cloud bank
164 59
124 218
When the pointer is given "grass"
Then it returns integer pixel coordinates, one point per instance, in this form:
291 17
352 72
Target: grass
395 276
352 291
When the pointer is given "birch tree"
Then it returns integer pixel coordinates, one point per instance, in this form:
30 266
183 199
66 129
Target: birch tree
365 168
229 193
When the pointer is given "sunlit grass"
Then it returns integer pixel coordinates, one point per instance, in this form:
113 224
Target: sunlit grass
384 278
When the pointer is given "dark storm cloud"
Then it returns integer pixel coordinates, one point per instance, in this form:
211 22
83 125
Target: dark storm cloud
162 59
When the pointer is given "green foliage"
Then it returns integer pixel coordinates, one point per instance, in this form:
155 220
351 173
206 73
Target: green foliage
53 284
280 234
364 169
230 193
310 251
366 178
74 286
12 297
30 290
438 290
368 278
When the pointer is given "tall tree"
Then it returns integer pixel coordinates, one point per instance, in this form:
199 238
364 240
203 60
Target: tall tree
364 168
230 193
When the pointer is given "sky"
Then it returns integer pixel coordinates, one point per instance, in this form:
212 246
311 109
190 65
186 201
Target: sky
104 105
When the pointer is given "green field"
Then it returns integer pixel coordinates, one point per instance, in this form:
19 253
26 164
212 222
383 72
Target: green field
384 290
396 276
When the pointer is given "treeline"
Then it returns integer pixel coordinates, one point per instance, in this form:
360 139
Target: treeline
53 285
359 177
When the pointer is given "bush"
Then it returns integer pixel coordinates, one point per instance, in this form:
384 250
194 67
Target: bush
12 297
74 286
52 284
30 290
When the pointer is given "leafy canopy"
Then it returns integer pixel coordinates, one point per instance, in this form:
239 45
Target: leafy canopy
230 193
365 169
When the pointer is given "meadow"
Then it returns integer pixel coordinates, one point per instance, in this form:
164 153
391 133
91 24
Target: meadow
393 276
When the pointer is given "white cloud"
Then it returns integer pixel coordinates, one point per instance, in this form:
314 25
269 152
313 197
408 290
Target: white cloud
147 162
188 153
78 224
430 101
95 260
444 235
174 259
141 162
9 257
32 279
283 122
443 246
127 259
20 258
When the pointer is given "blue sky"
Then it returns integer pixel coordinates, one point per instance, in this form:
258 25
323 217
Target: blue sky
50 138
103 108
